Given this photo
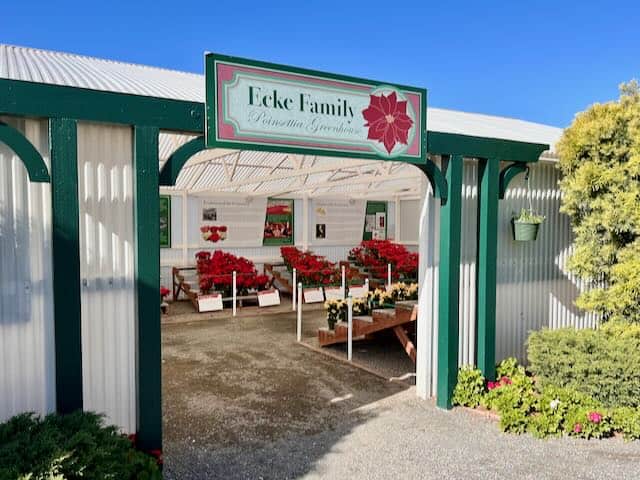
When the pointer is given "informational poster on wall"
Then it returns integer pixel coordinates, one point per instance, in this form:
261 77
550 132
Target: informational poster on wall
278 222
375 221
338 221
232 222
165 221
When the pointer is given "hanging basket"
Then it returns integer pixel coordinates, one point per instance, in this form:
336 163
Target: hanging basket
524 231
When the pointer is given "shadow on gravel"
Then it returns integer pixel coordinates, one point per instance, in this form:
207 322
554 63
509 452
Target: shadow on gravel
243 401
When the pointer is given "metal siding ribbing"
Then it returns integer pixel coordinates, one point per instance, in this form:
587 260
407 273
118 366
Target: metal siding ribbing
105 189
27 359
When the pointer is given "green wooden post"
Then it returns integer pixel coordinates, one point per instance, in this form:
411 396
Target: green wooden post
489 182
66 264
449 286
148 283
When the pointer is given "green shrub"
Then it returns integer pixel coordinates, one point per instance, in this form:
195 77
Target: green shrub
626 420
70 447
470 387
514 402
604 363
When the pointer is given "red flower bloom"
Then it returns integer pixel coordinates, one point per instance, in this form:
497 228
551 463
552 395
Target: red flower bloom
164 291
387 120
577 428
595 417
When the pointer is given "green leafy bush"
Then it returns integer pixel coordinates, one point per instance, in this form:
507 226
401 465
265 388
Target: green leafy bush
70 447
604 363
626 420
470 387
543 411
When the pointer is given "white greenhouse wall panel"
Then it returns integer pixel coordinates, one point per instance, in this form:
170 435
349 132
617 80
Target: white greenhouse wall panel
105 189
27 356
534 288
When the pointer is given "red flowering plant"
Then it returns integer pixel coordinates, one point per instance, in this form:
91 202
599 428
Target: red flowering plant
213 233
375 255
387 120
164 292
311 269
215 272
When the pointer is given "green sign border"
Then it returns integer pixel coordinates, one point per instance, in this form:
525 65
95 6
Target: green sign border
211 112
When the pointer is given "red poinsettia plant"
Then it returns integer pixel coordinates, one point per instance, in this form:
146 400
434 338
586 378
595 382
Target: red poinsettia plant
311 269
215 272
213 233
387 120
375 255
164 292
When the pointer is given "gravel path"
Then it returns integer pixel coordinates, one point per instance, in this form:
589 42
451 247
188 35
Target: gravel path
242 401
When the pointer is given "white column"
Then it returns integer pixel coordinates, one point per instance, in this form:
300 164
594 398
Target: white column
344 281
349 327
235 292
397 220
185 229
388 276
294 290
299 323
427 331
305 222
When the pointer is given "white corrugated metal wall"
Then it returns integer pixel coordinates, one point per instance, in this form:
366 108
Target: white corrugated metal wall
105 189
27 369
534 289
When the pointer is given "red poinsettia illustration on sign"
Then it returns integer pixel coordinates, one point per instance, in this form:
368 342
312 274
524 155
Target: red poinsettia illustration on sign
387 120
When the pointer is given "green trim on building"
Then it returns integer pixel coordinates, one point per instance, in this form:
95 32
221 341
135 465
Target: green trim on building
147 216
45 100
488 195
449 284
436 179
481 147
66 264
508 174
171 169
31 158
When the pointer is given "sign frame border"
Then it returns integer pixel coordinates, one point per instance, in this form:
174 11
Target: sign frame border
211 88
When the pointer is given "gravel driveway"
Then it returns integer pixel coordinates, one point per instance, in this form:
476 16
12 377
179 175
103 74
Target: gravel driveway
243 401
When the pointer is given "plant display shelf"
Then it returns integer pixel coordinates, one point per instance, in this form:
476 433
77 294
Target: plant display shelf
281 277
185 280
397 319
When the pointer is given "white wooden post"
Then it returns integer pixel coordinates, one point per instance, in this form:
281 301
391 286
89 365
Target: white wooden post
350 327
299 326
235 291
366 285
185 229
305 222
294 291
397 220
344 281
388 276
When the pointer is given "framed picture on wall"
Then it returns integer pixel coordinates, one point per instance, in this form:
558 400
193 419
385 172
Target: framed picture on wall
278 224
165 221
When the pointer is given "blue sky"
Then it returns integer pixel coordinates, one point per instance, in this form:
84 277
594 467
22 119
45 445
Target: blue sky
536 60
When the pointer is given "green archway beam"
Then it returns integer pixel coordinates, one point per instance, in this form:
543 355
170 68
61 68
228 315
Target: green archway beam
482 147
436 179
31 158
176 161
508 174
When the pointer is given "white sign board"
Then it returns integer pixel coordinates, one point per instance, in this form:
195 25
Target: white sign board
313 295
268 298
210 303
333 293
358 292
339 220
242 220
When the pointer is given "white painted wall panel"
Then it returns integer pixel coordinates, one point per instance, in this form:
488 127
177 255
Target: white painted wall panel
27 358
105 189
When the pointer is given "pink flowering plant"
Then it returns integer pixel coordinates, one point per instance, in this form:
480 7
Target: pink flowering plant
542 411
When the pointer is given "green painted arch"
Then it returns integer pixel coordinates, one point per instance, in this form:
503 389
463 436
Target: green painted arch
171 169
508 174
31 158
437 180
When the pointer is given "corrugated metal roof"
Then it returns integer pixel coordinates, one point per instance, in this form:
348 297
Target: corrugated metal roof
206 170
35 65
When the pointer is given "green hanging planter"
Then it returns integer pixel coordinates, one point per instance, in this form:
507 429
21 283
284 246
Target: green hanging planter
524 231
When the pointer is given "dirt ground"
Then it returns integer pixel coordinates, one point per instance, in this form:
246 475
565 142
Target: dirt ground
245 381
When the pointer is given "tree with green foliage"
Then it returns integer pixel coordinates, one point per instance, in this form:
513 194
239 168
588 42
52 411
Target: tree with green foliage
600 159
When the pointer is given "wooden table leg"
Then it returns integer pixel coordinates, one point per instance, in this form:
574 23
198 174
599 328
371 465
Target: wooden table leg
407 344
